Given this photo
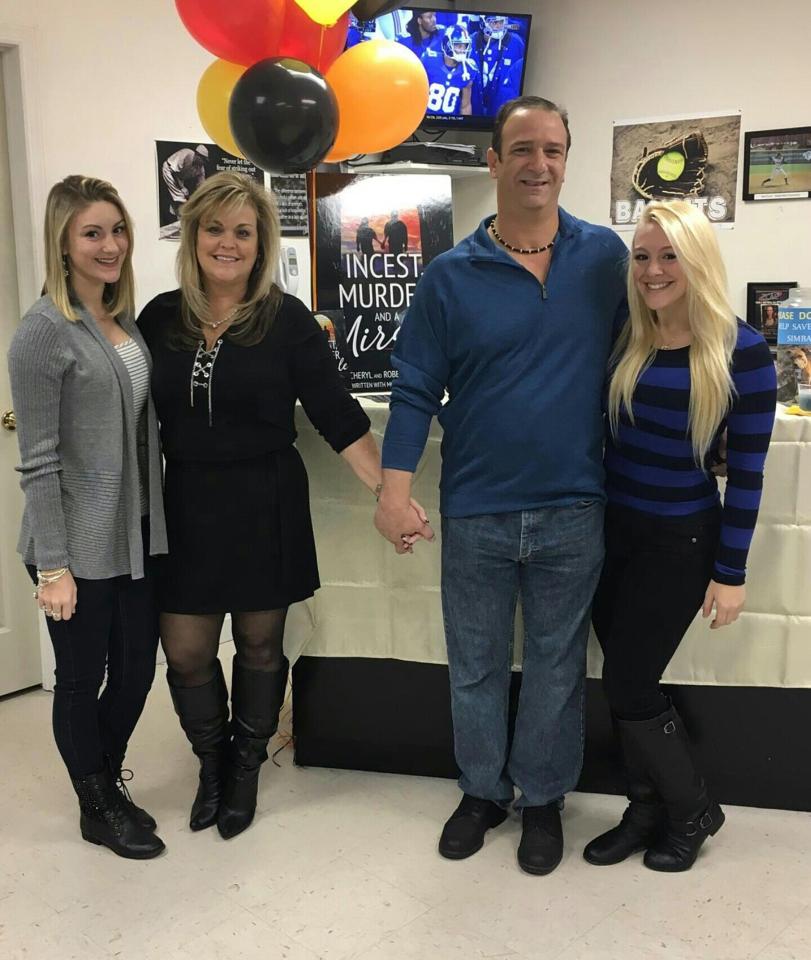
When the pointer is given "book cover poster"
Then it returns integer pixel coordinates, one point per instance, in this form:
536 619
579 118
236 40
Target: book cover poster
374 236
182 167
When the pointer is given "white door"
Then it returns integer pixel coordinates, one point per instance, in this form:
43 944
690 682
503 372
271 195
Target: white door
19 625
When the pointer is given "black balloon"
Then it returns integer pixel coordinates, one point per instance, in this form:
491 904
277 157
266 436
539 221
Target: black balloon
283 115
369 9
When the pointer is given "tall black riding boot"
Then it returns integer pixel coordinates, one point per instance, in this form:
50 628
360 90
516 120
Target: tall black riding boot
643 821
691 815
106 820
256 699
121 776
203 713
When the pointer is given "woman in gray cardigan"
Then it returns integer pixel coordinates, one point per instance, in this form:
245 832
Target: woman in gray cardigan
91 474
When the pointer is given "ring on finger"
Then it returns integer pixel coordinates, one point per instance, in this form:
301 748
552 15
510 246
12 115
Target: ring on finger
57 616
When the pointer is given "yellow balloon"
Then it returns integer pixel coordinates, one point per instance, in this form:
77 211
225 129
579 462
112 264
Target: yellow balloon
326 12
213 94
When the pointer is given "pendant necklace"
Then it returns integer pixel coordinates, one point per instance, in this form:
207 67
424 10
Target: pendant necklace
213 324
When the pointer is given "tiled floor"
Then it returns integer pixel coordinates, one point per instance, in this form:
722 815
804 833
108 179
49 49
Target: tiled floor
343 865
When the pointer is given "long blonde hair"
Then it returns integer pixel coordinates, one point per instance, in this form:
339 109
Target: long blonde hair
254 315
711 318
65 200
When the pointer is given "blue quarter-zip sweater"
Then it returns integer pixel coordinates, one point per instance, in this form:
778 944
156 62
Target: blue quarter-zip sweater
523 364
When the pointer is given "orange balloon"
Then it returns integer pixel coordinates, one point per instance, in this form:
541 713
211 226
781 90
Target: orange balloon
213 95
382 91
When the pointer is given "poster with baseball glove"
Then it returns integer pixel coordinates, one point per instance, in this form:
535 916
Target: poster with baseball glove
682 158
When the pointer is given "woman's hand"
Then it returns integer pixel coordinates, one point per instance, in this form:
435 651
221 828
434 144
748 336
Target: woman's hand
58 599
728 602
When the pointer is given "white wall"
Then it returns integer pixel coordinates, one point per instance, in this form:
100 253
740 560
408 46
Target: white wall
105 80
613 61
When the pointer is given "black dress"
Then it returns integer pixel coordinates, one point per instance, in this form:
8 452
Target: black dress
237 505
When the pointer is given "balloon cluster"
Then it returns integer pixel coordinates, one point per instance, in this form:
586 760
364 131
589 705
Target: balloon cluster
285 96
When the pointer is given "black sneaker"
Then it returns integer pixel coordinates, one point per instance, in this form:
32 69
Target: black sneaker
464 833
541 847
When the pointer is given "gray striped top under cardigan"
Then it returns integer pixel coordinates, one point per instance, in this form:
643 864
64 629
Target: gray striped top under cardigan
132 356
77 431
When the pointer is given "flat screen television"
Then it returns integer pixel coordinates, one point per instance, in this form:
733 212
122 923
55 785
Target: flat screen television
474 61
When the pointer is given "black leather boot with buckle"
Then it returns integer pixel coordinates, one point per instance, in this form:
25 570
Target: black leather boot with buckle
692 816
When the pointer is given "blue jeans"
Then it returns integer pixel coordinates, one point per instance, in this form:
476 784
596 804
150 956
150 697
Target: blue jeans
550 557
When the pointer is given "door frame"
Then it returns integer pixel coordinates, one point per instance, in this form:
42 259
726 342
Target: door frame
18 55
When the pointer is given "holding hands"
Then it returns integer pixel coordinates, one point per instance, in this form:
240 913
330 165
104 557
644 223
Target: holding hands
399 518
402 523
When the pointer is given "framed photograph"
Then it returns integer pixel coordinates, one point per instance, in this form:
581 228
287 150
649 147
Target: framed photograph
763 306
777 164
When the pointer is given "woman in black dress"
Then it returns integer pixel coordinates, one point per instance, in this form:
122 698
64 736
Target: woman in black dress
232 355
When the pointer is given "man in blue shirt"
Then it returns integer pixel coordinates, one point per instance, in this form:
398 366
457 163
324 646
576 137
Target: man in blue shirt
516 324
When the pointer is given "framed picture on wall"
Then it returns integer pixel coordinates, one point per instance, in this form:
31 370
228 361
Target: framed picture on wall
777 164
763 306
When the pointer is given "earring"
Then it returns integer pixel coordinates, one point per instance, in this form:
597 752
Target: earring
65 265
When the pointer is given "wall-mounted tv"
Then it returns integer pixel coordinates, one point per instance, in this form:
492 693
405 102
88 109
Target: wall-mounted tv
474 61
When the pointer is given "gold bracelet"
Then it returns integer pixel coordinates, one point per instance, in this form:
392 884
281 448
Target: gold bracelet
378 490
44 579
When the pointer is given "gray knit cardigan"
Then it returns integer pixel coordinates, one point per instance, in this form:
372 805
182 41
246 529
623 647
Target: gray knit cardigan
78 439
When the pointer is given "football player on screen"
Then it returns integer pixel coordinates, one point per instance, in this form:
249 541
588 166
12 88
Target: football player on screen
422 33
500 51
452 75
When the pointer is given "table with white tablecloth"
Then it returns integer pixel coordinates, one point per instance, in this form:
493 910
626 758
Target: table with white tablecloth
377 609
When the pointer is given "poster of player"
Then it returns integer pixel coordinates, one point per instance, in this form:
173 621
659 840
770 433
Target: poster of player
677 158
777 164
181 168
763 306
374 236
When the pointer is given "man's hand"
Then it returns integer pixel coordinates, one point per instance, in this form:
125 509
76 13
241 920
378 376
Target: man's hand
402 523
727 600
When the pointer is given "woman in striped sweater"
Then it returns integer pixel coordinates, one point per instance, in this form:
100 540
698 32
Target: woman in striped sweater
684 371
91 474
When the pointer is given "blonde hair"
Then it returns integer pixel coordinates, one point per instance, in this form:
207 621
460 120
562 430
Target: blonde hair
711 318
65 200
254 315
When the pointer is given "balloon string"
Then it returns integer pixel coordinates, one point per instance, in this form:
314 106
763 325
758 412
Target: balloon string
313 241
321 49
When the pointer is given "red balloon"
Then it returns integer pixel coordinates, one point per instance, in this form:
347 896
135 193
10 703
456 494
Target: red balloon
304 39
240 31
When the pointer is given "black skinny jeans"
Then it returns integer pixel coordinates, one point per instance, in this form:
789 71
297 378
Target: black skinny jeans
653 583
112 635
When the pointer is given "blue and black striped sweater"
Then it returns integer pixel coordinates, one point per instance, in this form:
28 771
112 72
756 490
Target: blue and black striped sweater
650 465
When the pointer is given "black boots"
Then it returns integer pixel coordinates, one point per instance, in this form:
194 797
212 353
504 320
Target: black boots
464 832
256 699
106 819
203 713
644 818
661 765
120 778
541 846
691 815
